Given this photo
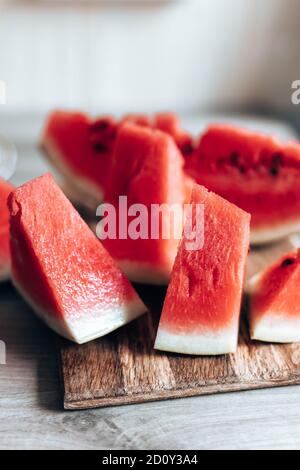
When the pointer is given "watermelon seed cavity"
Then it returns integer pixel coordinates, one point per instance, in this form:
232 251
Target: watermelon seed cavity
287 262
234 158
274 171
187 149
99 126
99 148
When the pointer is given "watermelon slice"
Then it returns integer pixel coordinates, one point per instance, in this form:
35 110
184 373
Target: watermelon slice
202 306
147 168
81 148
255 172
169 123
5 189
275 301
138 119
61 268
166 122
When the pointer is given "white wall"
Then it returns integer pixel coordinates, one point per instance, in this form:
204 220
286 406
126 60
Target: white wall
185 55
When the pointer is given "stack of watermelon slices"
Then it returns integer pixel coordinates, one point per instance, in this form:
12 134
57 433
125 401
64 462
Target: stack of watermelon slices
254 171
81 148
138 157
76 283
147 167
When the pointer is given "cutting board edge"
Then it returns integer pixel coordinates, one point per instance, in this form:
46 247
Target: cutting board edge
75 401
75 404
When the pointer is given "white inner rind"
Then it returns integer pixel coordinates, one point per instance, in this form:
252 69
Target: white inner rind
4 274
80 189
145 273
88 324
270 234
252 283
211 344
275 328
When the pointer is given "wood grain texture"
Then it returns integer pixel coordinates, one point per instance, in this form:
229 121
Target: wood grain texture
31 415
124 368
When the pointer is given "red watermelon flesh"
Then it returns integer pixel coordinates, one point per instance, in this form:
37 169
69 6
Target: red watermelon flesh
255 172
81 148
5 189
170 123
275 301
147 167
61 268
138 119
202 306
166 122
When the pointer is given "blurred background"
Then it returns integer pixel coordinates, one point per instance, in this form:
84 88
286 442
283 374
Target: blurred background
196 57
187 55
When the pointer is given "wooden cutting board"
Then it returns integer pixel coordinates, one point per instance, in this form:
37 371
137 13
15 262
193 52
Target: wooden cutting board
123 367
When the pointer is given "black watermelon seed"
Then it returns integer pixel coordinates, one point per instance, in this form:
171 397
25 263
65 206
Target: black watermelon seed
99 126
99 148
112 134
274 170
234 158
187 149
287 262
277 159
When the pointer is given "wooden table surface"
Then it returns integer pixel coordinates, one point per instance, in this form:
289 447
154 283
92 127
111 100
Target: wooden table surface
31 414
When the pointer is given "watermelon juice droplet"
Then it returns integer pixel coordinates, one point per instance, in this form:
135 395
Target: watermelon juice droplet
8 158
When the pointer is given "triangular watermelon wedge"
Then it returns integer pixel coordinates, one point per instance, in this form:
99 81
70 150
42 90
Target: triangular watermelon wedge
254 171
275 301
61 268
147 169
5 189
80 148
202 306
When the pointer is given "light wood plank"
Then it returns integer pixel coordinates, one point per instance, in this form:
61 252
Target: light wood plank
31 413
